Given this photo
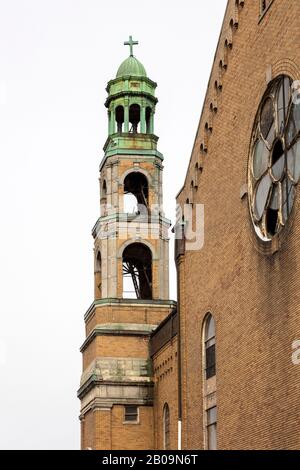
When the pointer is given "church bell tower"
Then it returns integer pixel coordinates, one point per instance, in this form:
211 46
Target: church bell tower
131 271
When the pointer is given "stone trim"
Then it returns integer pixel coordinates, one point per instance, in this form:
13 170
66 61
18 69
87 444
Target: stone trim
130 77
106 405
128 303
93 382
117 329
131 153
120 218
130 93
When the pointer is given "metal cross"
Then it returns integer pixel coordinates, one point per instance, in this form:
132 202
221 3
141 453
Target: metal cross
131 43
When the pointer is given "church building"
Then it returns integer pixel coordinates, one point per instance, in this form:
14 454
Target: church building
219 368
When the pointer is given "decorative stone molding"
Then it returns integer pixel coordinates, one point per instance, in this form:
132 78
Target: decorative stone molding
117 329
215 88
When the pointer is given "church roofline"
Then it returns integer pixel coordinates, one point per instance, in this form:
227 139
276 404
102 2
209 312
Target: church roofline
205 97
164 333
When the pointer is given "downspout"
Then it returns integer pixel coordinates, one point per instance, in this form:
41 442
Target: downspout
178 262
179 251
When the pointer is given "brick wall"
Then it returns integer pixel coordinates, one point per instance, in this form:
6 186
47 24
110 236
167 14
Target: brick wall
166 391
116 346
254 297
122 313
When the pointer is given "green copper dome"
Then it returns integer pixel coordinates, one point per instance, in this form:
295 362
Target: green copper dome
131 66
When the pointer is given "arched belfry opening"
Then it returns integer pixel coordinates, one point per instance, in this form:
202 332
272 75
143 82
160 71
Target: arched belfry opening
134 118
103 200
104 193
137 272
120 118
136 193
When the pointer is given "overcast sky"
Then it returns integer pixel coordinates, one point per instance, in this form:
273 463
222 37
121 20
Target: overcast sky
56 57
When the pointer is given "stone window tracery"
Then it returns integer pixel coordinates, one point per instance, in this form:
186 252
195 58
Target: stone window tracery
274 167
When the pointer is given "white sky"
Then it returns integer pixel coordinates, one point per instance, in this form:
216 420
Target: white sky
56 57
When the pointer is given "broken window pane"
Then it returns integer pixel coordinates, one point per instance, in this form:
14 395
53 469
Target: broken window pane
275 198
278 161
271 135
293 161
291 129
288 196
261 197
260 159
283 103
296 114
266 117
271 221
272 196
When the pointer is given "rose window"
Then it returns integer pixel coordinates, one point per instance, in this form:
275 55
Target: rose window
274 169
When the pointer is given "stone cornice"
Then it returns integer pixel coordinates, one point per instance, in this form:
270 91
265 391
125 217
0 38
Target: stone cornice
150 219
94 381
129 302
107 404
125 93
131 153
131 77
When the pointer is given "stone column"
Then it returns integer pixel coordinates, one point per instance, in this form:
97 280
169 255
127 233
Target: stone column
112 121
126 116
143 119
151 130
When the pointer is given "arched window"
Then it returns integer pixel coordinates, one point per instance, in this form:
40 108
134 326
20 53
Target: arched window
166 427
134 118
104 193
210 409
210 347
98 276
137 272
136 193
103 200
120 118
